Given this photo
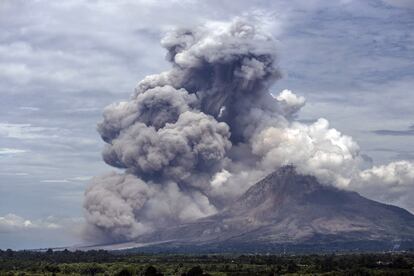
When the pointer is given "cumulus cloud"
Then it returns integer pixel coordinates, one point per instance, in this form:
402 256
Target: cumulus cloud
192 139
315 149
51 231
392 183
13 222
290 102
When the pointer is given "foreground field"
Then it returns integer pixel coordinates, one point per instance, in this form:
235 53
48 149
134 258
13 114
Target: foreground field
106 263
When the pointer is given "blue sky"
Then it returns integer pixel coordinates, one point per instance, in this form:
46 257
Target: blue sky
62 62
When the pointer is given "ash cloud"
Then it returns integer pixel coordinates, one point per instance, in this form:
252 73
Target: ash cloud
192 139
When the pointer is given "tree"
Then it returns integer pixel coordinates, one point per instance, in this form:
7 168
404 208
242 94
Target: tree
124 272
195 271
292 267
152 271
92 269
400 262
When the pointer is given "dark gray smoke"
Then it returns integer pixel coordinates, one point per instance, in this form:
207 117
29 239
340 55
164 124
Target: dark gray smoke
193 138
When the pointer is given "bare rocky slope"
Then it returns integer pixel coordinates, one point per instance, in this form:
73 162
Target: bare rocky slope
290 211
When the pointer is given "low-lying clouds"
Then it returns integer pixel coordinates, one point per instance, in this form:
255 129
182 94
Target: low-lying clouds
17 232
12 223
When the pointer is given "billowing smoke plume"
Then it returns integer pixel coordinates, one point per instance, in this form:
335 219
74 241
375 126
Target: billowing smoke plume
195 137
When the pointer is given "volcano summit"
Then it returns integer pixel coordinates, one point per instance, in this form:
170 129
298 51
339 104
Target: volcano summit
294 211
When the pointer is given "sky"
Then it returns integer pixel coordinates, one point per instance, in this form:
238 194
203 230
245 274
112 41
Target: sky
62 62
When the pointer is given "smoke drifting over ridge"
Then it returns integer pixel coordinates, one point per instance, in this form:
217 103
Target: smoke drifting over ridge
195 137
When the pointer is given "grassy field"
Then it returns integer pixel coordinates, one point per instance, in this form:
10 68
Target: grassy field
106 263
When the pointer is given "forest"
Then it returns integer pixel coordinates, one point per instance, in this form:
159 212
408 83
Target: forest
100 262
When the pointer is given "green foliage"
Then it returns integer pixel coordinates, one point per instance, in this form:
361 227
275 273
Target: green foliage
92 269
152 271
115 263
124 272
195 271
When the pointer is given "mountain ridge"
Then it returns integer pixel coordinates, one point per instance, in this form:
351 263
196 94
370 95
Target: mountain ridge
290 210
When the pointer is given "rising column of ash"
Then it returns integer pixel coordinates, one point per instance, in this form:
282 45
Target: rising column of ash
195 137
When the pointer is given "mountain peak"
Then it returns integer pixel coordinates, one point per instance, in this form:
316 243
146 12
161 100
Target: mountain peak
286 170
283 184
287 207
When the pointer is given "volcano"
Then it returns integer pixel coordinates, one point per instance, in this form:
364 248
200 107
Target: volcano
290 211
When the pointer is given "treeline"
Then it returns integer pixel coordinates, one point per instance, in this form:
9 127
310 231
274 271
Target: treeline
61 256
102 262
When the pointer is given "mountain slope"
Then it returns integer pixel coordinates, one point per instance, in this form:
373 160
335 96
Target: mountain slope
287 208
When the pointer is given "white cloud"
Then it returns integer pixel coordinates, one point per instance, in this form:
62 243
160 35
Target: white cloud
55 181
26 131
391 183
14 173
29 108
68 180
12 222
315 149
81 178
290 98
11 151
17 232
290 102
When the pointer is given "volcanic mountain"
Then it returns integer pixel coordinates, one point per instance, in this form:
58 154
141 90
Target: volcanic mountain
288 210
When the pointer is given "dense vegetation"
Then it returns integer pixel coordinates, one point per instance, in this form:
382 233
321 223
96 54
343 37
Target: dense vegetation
107 263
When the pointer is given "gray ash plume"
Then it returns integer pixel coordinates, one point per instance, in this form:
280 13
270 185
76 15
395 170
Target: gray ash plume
192 139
